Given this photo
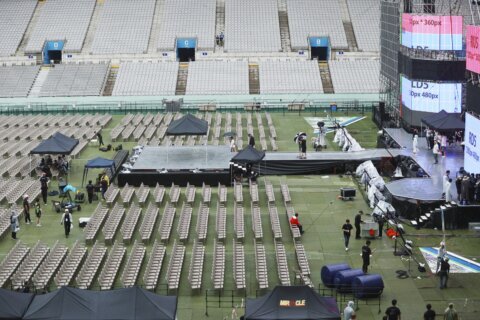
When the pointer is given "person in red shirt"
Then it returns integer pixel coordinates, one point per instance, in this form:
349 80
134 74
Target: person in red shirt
294 222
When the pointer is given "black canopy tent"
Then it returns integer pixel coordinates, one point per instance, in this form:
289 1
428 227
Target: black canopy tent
56 144
444 121
123 304
98 163
188 125
13 305
292 303
249 155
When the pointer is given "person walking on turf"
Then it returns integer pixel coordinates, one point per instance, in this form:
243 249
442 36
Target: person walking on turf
44 187
67 222
251 140
38 211
90 190
450 313
99 138
104 184
14 224
26 209
349 312
442 253
347 230
393 312
429 314
358 221
366 253
444 272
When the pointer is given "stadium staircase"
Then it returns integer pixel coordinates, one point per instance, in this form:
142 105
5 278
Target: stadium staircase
284 28
156 25
253 79
326 77
112 77
182 79
348 27
220 22
92 28
28 32
39 81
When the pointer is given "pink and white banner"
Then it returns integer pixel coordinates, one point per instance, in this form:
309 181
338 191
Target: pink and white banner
432 32
473 50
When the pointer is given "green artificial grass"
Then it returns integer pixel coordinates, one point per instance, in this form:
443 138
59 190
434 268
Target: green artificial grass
321 213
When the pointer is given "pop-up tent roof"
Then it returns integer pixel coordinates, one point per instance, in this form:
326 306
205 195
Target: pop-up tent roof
188 125
123 304
249 154
292 302
444 121
14 304
98 163
56 144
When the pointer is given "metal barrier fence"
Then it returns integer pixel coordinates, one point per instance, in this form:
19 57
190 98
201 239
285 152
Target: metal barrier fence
224 299
124 108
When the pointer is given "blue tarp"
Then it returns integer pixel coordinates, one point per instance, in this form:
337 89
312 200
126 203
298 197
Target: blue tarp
99 162
56 144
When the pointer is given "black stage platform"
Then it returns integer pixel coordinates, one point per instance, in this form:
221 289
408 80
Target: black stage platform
211 164
180 165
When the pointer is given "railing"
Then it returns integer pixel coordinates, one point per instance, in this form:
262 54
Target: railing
343 298
224 299
144 107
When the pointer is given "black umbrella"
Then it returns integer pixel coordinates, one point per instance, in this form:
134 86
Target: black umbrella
299 135
230 134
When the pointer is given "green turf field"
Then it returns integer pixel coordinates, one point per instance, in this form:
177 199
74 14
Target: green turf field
322 214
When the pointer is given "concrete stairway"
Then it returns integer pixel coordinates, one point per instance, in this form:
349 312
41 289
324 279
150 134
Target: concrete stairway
156 24
112 77
284 28
92 28
220 22
31 26
39 81
253 79
347 26
182 79
326 77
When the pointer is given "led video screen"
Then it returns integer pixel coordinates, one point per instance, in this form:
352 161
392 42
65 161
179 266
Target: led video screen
432 32
473 50
431 96
472 144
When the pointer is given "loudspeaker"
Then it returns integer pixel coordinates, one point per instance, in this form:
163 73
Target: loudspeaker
348 192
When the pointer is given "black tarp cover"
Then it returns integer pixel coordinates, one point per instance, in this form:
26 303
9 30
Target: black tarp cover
249 154
123 304
56 144
292 302
444 121
13 304
187 125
